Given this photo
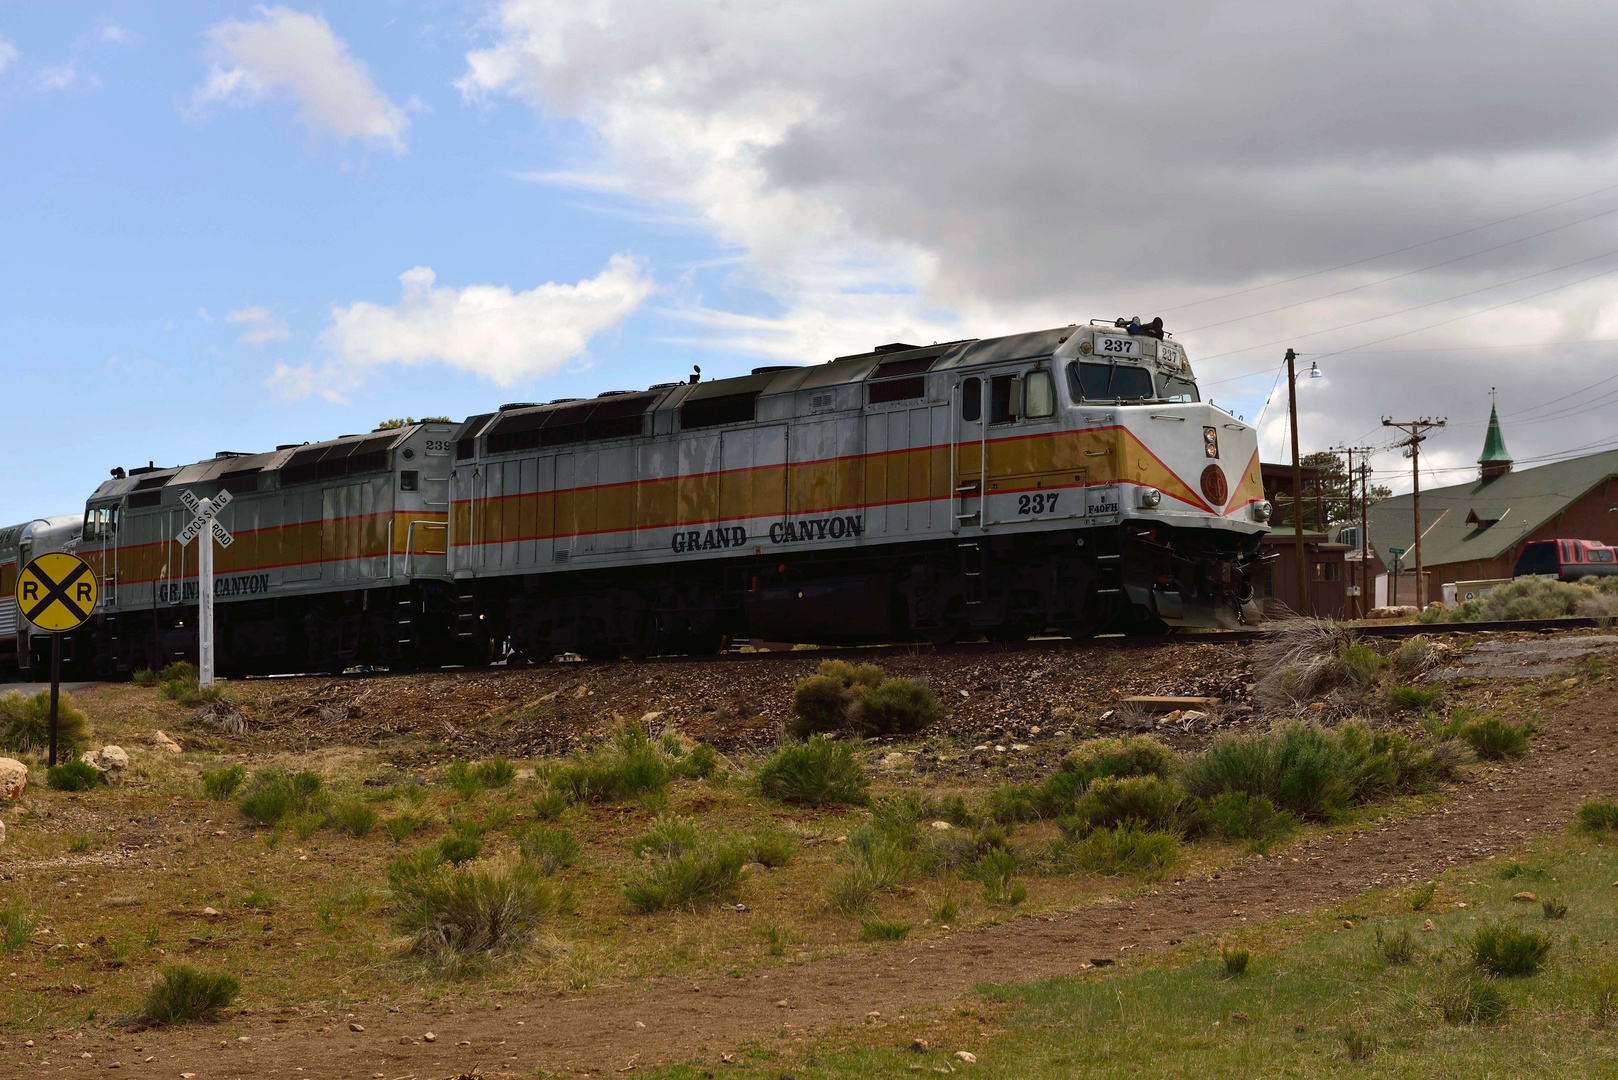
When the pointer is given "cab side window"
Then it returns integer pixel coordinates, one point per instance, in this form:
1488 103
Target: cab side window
971 399
1005 398
1039 395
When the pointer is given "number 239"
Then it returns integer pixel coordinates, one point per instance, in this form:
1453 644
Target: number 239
1038 503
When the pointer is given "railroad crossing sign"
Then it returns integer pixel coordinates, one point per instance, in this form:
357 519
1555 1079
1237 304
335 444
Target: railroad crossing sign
206 511
57 592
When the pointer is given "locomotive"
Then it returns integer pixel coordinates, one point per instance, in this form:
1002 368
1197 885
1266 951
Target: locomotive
1066 480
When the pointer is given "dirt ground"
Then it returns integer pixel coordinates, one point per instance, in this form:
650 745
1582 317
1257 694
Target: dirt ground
618 1030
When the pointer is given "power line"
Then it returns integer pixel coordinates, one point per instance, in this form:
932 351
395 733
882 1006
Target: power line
1405 274
1389 254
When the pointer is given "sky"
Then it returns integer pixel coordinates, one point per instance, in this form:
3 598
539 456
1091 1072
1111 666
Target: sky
231 226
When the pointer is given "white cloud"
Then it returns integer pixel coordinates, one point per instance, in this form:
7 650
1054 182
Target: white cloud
68 75
905 169
285 52
504 336
297 383
8 54
110 33
262 325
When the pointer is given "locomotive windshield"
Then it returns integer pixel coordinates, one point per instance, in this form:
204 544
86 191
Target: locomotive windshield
1178 390
1089 381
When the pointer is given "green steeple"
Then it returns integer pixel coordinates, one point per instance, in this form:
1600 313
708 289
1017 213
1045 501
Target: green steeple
1496 459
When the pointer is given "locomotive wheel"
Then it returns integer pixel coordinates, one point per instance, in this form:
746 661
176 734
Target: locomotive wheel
949 627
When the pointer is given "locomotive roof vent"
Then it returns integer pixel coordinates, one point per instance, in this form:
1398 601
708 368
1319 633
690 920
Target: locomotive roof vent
563 400
896 346
615 393
518 405
231 454
768 368
663 385
290 445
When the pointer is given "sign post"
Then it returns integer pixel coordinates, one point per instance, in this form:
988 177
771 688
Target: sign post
206 511
56 592
1395 568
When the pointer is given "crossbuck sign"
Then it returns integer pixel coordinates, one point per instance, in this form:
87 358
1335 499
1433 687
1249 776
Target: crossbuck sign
205 522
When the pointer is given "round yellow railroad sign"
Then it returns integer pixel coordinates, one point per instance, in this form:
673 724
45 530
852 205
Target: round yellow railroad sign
57 592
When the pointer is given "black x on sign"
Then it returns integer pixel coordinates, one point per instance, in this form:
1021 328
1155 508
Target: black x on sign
56 592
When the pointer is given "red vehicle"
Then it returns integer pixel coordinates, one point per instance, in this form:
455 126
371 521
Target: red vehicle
1566 560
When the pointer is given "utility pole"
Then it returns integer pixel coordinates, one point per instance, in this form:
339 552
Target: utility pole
1365 455
1297 486
1365 524
1417 432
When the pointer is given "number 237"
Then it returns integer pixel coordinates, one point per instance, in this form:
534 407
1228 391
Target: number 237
1038 503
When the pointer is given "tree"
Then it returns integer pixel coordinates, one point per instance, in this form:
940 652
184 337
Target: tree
1340 502
389 425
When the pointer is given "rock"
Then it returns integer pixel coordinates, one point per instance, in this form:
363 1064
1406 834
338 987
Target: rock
1526 897
212 913
1191 716
1174 716
782 1004
941 826
966 1057
1571 683
110 761
1391 612
1428 925
999 749
2 832
919 1046
894 760
163 742
1019 747
13 778
429 1037
650 718
1239 1018
1348 924
354 1026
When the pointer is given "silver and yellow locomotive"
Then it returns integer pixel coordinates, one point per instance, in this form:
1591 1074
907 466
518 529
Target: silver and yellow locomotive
1067 479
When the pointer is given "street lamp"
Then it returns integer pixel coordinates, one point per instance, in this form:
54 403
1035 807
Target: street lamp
1297 478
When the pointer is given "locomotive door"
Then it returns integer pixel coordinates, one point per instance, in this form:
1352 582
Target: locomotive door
968 406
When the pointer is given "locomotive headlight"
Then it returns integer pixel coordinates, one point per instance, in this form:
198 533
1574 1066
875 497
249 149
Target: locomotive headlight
1262 510
1150 498
1210 442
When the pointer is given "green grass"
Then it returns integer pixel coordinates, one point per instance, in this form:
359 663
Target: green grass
274 795
181 994
1598 816
876 930
1413 697
1127 849
25 723
550 848
1491 737
818 772
693 879
1307 1004
16 926
631 767
220 784
459 913
352 817
72 776
1507 951
401 827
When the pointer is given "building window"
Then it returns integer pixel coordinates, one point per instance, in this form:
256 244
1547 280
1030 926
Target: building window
1328 571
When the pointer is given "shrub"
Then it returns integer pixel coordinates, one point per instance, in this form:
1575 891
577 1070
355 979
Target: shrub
1111 801
463 779
1138 755
667 839
16 926
144 677
72 776
549 806
469 912
815 773
1414 655
1553 908
550 849
1397 948
25 723
1413 697
1358 1043
819 704
273 795
353 817
994 871
1600 992
1524 598
459 849
1313 773
181 993
1422 897
1303 659
1489 736
1470 998
898 707
222 783
1505 950
876 930
771 849
401 826
1236 815
1235 962
189 691
1127 849
495 773
631 768
1598 816
691 880
180 671
698 763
